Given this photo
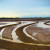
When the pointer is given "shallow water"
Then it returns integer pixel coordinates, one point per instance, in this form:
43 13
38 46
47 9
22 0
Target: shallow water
42 25
14 36
23 23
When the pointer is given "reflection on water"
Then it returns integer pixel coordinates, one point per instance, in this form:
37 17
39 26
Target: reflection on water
41 24
8 23
13 33
1 32
14 36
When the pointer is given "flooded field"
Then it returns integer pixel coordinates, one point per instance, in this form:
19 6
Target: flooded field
26 31
14 30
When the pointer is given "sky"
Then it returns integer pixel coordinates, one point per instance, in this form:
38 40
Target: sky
24 8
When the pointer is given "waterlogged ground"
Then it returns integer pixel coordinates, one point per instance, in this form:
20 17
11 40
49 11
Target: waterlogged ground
16 31
9 30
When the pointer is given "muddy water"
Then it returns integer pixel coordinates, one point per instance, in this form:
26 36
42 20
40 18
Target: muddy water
22 36
40 31
7 28
9 31
15 31
16 36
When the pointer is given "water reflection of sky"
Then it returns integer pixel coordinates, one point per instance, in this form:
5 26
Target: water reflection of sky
24 8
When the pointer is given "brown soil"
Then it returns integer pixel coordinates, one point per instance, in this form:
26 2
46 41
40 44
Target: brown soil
7 32
22 36
21 46
42 35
